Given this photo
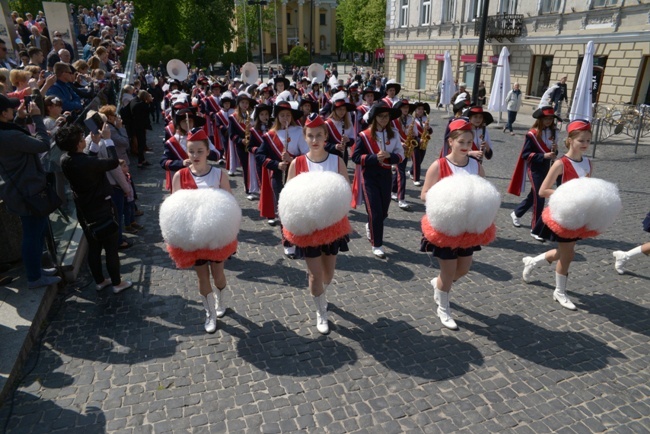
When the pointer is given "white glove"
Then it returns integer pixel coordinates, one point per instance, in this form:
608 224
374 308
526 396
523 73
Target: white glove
93 148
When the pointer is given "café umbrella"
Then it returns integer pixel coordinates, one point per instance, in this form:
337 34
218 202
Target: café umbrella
501 84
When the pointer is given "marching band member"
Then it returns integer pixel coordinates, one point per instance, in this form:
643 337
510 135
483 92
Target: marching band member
537 154
261 125
198 174
454 252
353 94
403 126
280 84
369 97
239 132
175 156
222 127
307 106
340 127
482 145
554 225
330 197
376 149
460 104
274 158
316 94
265 94
212 106
393 88
420 112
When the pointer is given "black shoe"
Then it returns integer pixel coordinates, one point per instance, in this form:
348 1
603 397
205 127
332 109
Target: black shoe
125 245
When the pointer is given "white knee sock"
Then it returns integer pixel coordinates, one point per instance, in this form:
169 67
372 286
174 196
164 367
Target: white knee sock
634 252
539 258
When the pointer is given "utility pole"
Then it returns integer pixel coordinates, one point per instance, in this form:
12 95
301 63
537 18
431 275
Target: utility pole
311 27
479 54
259 4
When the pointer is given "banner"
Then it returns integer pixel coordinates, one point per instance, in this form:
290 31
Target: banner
7 30
59 19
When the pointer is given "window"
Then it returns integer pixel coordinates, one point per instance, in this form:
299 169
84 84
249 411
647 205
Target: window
603 3
404 13
422 74
401 71
448 11
508 7
323 22
425 18
550 6
540 75
474 9
288 19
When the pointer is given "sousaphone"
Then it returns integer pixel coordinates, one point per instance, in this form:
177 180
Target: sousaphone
316 71
177 70
249 73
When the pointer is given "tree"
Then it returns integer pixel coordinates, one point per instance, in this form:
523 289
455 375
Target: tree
373 17
248 22
299 56
348 18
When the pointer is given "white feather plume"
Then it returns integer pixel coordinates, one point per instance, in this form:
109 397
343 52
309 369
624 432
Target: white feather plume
313 201
200 219
585 202
462 204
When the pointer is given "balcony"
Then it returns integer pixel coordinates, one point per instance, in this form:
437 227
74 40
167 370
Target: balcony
501 26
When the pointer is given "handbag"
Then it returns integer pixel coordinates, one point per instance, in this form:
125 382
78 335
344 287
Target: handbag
646 223
104 228
41 204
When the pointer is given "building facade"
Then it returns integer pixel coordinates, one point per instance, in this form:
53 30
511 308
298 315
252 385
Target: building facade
546 40
299 22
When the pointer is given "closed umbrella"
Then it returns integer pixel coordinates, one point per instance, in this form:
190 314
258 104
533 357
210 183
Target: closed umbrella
447 81
501 84
581 106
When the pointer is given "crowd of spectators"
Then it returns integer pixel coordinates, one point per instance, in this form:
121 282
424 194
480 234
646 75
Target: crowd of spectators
48 87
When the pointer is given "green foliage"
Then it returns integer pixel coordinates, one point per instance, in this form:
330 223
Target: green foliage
248 21
238 57
299 56
356 37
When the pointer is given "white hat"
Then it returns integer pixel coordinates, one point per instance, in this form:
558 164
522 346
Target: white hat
285 95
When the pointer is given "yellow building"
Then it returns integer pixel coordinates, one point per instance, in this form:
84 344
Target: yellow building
546 40
296 22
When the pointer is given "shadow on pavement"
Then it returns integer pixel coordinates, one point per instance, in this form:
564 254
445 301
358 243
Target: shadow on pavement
567 350
624 314
402 348
273 348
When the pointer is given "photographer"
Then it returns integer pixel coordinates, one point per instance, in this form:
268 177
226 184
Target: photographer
63 89
22 181
92 193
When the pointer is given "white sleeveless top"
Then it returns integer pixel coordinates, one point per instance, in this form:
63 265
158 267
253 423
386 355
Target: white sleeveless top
330 164
472 167
582 168
212 179
297 145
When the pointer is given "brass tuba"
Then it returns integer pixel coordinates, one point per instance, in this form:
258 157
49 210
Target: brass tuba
177 70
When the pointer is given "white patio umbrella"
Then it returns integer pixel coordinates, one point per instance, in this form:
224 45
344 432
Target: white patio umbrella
581 106
501 84
447 81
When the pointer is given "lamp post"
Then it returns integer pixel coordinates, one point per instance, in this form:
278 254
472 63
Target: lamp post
479 51
246 30
311 27
259 4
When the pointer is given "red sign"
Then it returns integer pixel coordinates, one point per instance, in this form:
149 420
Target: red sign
468 58
420 56
440 57
400 56
379 53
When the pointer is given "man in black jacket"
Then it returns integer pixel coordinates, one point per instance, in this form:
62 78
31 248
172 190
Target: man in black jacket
140 123
560 94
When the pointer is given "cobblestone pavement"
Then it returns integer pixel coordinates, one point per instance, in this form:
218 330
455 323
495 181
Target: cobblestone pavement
141 362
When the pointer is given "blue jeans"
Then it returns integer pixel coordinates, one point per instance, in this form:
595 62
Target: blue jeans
129 212
512 116
118 200
32 248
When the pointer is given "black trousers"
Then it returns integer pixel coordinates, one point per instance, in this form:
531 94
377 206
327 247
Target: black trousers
376 193
533 199
417 159
141 136
243 160
109 245
399 179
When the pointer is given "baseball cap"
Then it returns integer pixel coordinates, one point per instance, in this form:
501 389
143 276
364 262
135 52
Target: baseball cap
6 103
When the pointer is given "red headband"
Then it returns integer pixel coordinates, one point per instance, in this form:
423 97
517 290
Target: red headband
314 121
578 125
460 124
339 103
548 111
197 135
476 110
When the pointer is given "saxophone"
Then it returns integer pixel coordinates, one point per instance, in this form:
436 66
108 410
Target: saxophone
426 136
247 133
410 144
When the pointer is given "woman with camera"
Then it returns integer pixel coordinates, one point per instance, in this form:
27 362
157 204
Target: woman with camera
92 197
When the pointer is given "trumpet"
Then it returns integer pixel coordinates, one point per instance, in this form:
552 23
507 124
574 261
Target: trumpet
410 143
426 136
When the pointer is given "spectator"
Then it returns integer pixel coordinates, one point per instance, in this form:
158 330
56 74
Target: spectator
88 49
67 46
5 62
560 94
513 100
480 98
36 57
63 88
53 55
139 107
39 41
87 177
118 132
22 31
64 55
22 177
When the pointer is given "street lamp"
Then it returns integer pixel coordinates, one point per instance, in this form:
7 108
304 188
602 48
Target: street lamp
260 3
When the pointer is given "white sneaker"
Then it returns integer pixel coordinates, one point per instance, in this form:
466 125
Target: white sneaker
368 231
103 285
404 205
272 222
378 252
231 173
417 183
537 237
563 299
529 264
125 284
515 220
290 252
408 173
219 302
250 197
621 259
48 271
393 196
